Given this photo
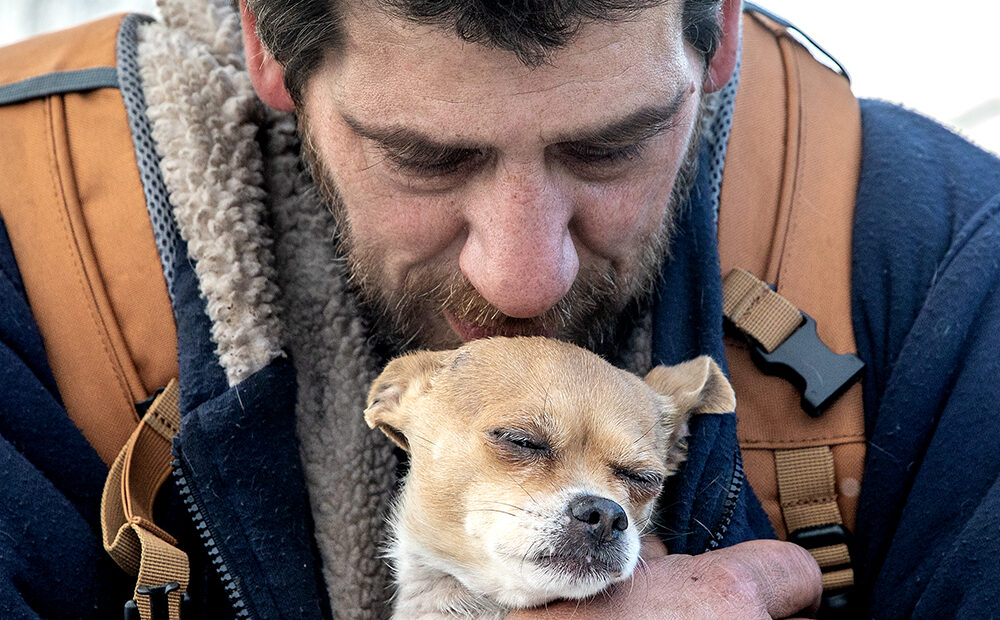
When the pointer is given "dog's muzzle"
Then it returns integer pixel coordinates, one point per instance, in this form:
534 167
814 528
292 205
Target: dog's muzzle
590 544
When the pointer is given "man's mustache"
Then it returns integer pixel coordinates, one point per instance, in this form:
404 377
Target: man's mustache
455 295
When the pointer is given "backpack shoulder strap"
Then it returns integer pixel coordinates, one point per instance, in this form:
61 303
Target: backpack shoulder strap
787 209
81 234
73 206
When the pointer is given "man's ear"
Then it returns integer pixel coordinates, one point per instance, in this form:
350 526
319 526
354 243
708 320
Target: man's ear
695 386
403 378
266 73
723 63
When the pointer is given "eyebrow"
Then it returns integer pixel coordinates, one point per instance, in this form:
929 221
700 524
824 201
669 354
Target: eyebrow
402 143
638 126
411 145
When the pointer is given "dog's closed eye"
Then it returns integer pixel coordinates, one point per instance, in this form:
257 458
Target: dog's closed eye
520 444
642 483
639 477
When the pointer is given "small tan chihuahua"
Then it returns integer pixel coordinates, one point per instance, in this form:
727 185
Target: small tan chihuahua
535 466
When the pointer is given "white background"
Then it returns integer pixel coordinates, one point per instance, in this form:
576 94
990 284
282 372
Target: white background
942 59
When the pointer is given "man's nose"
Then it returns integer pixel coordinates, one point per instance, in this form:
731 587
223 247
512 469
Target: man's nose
519 253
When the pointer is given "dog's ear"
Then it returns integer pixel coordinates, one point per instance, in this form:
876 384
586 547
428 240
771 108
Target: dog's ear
695 386
403 377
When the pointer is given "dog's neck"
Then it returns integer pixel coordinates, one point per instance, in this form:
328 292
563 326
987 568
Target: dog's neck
428 592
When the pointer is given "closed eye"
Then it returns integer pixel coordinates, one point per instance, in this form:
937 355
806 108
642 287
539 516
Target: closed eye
639 479
596 155
519 442
434 163
609 149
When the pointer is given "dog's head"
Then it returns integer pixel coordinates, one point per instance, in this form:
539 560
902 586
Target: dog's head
534 464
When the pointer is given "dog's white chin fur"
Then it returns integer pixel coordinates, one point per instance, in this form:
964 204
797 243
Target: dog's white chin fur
511 581
514 582
537 584
501 582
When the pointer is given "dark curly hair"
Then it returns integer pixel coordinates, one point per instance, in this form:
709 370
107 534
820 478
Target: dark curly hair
299 33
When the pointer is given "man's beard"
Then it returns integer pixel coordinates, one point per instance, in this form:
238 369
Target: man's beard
413 315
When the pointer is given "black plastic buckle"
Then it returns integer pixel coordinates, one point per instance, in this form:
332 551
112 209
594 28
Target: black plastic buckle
158 605
820 536
836 604
819 373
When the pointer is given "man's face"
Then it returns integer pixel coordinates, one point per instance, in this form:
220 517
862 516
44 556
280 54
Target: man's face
477 196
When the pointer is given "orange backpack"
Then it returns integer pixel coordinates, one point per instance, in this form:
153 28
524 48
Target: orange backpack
74 209
84 244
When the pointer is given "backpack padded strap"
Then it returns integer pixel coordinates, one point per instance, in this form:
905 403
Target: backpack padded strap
82 47
787 210
82 238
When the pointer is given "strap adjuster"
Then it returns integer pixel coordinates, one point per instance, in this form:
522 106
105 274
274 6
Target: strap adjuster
837 601
159 606
819 373
816 536
784 341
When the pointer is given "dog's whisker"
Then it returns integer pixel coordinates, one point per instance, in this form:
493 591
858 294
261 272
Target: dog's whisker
641 527
495 501
521 486
641 568
423 439
705 527
511 514
515 507
527 552
648 431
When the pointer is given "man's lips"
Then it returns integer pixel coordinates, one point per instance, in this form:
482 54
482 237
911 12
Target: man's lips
471 331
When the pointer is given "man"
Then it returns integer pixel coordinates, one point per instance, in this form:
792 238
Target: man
493 170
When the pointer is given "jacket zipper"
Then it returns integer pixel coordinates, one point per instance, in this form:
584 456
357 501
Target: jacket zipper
728 504
230 584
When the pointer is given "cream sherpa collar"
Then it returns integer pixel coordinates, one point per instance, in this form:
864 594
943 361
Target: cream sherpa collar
248 245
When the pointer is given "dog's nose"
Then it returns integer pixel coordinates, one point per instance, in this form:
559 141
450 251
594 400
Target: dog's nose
603 517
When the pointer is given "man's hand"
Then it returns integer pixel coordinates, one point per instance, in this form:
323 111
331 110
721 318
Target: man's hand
757 579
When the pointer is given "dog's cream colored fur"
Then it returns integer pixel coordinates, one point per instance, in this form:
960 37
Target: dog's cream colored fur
480 517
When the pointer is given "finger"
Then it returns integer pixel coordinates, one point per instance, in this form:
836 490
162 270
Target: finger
788 578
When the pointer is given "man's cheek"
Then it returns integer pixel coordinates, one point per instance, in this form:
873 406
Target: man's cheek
405 229
611 222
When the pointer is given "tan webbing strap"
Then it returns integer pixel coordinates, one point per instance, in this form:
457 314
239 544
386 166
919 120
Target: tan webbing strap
756 310
806 478
807 489
130 536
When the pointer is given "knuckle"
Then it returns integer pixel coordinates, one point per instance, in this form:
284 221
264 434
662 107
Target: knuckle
735 587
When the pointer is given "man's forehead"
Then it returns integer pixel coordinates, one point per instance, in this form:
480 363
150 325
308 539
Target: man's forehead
396 72
386 23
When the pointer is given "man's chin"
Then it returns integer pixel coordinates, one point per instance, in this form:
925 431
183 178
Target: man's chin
468 331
